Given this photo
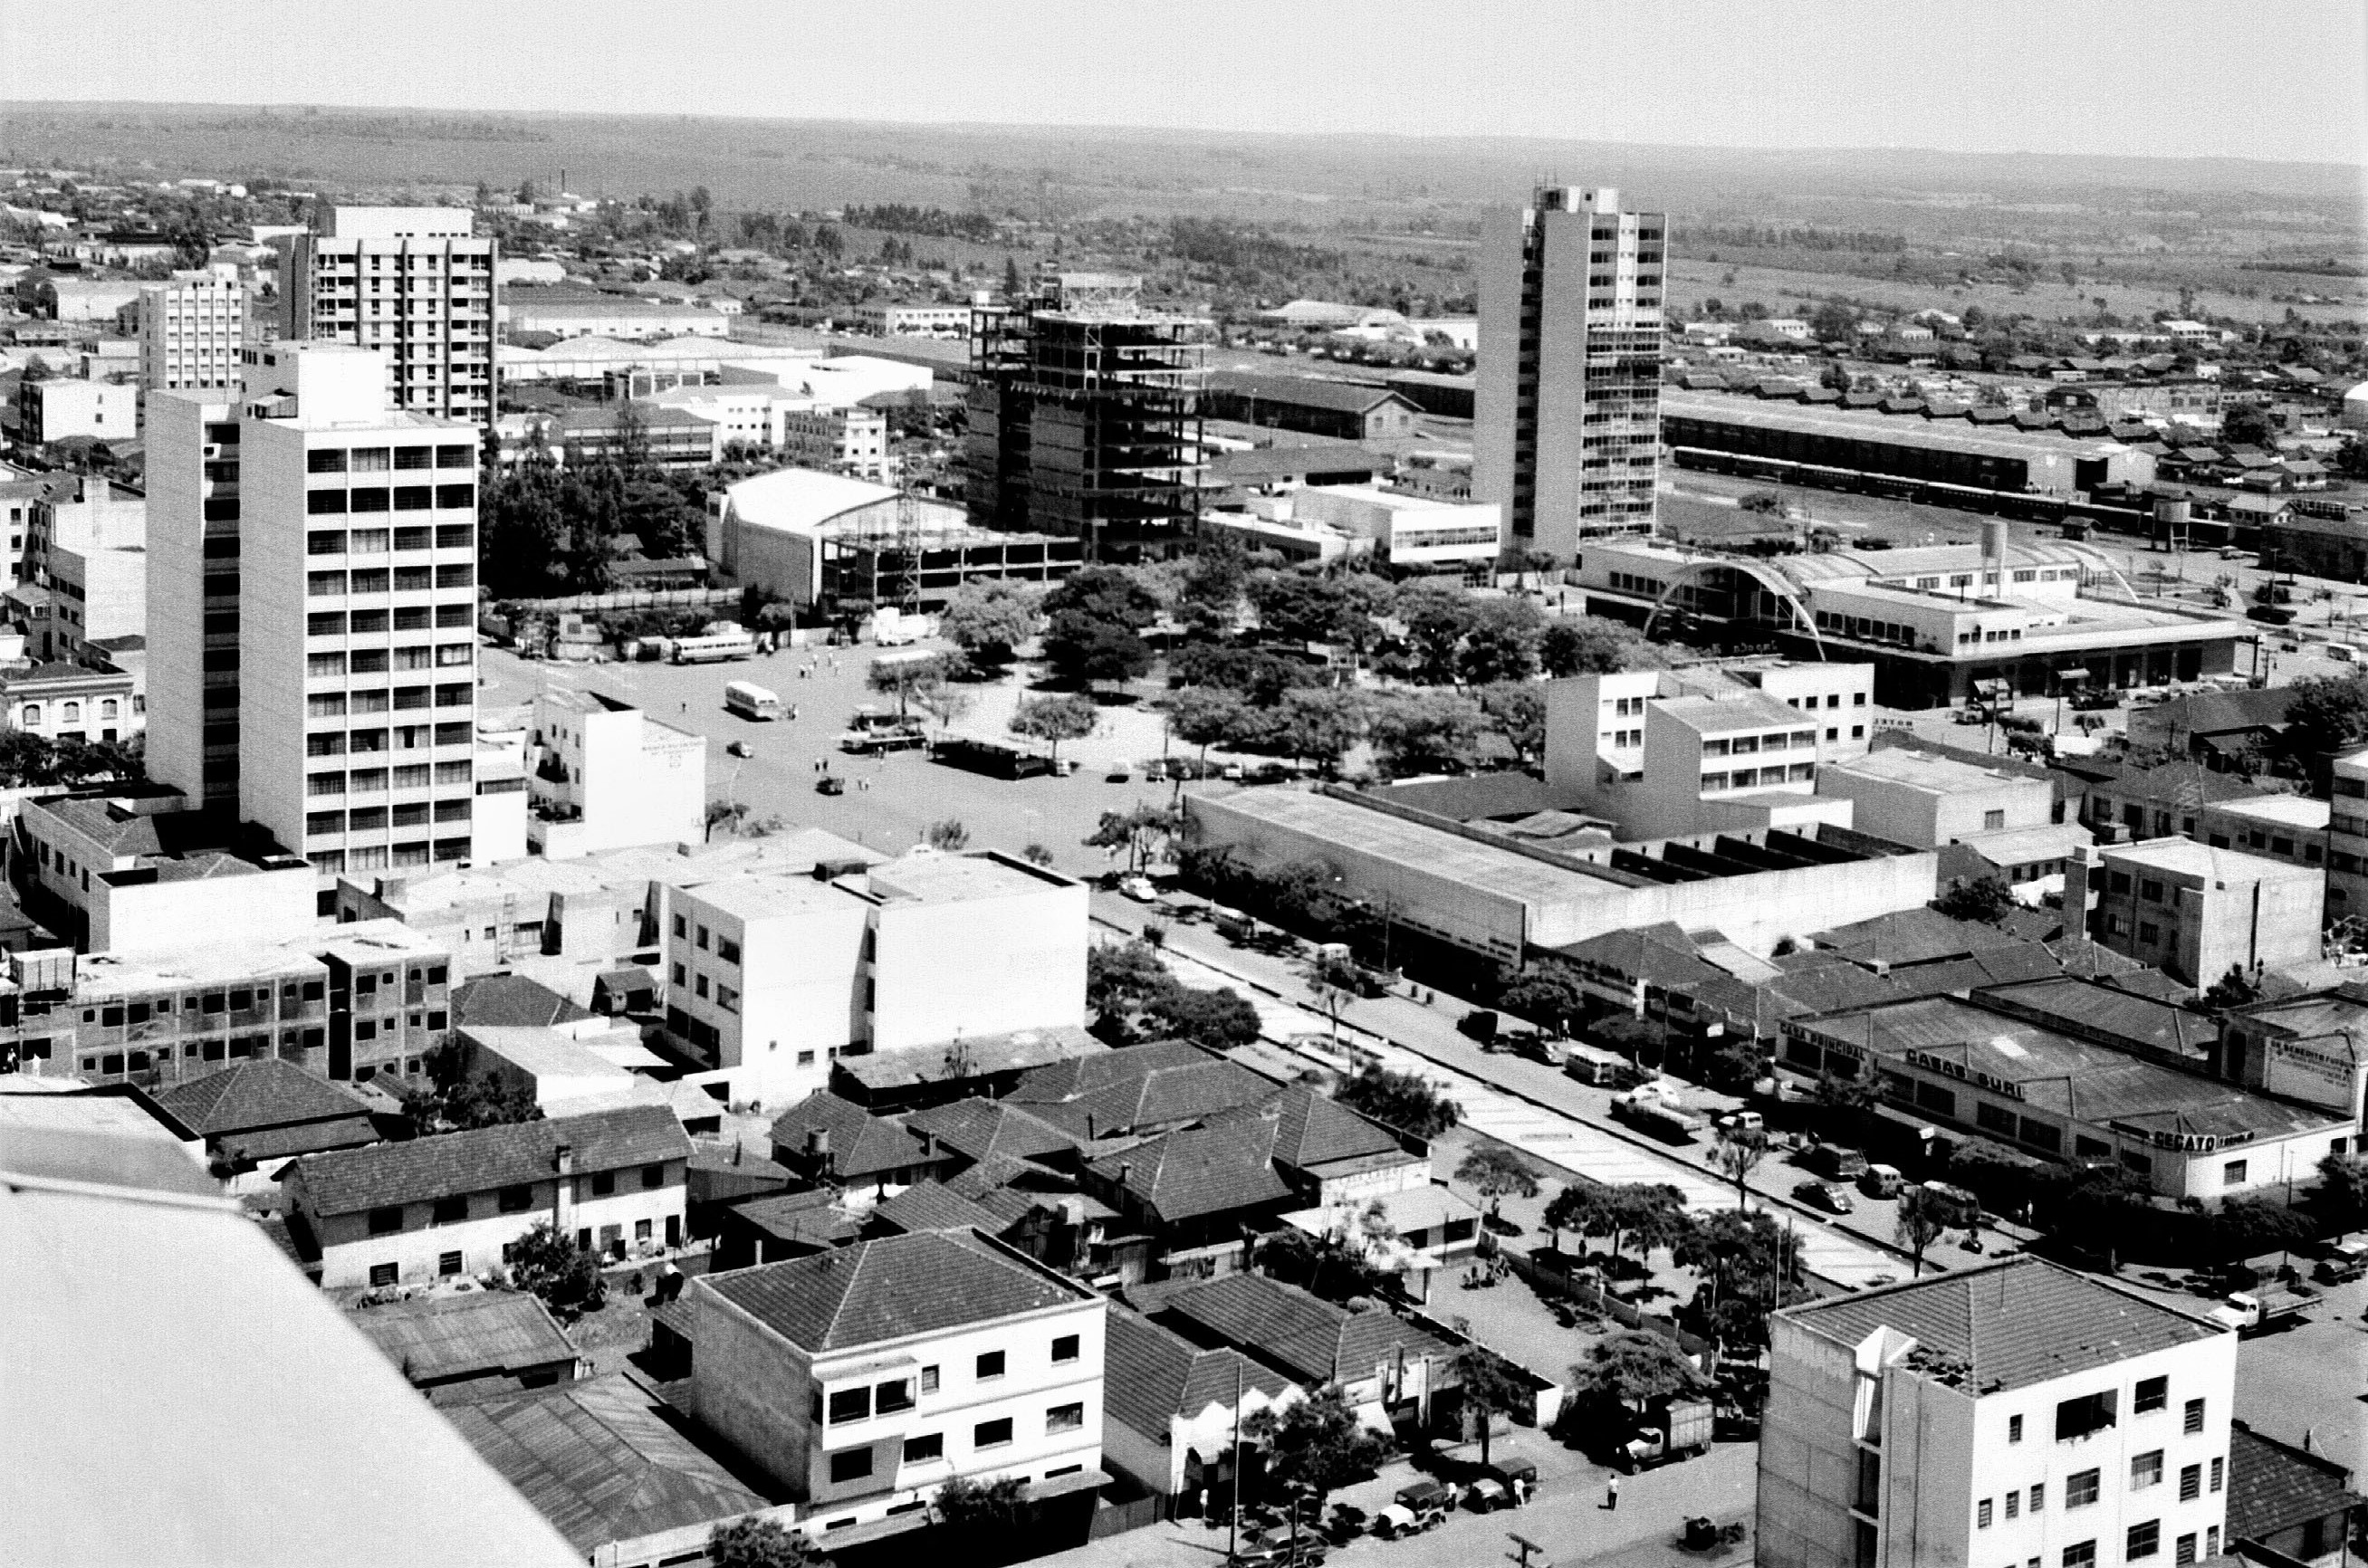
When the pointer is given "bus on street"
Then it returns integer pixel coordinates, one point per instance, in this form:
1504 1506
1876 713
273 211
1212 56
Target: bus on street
751 701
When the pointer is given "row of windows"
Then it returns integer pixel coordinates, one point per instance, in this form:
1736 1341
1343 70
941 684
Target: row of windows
383 460
1761 777
1746 746
376 819
400 498
375 541
334 704
378 580
110 709
1833 699
726 947
855 1464
378 856
514 1199
373 622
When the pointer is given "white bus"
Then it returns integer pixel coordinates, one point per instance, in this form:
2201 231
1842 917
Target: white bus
751 701
711 646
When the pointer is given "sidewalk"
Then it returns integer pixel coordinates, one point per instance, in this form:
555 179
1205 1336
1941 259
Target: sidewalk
1537 1109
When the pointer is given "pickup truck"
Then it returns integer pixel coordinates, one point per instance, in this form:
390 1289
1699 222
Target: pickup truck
1673 1429
2256 1312
1649 1112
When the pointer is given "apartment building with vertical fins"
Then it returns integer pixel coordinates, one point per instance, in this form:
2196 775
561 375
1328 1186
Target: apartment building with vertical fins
193 594
191 328
356 595
414 283
1567 432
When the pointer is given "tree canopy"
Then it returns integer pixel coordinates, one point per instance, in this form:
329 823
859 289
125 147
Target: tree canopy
1403 1100
1635 1368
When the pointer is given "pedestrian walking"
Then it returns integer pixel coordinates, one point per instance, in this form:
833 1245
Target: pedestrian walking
1611 1493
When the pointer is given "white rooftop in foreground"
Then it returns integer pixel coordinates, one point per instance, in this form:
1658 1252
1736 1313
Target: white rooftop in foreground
241 1420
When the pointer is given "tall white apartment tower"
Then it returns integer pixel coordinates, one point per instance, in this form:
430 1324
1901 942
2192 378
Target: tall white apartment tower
357 621
191 327
1567 420
414 283
193 594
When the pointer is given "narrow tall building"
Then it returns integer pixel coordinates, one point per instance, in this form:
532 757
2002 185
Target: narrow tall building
191 327
193 594
1566 426
413 282
356 585
1085 417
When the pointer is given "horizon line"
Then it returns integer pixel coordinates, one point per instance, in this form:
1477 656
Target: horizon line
298 110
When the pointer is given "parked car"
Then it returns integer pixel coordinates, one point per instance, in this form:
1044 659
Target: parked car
1271 1551
741 748
1139 889
1831 1196
1488 1494
830 784
1417 1508
2345 1261
1882 1181
1742 1121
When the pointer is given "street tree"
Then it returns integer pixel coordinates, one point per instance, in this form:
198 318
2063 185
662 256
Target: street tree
2342 1189
1426 732
948 835
1924 1218
1436 617
2232 990
1589 647
1133 831
1220 1018
1317 1443
1093 626
1331 983
1321 725
1501 641
1738 1153
1635 1368
1492 1386
907 679
1205 716
1125 979
1547 994
1057 719
1406 1101
1585 1209
989 620
1517 710
1497 1173
1650 1215
988 1516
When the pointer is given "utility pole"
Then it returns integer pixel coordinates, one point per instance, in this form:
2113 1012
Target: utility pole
1234 1485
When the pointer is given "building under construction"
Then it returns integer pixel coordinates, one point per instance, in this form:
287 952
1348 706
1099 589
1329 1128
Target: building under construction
1085 417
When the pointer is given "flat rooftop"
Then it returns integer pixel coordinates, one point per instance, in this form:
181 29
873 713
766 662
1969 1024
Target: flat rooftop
2342 1011
2185 856
1855 425
2299 811
757 895
1925 770
2074 1078
1746 709
956 879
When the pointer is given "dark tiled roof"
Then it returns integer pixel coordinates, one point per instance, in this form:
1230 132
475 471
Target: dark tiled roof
976 1128
1200 1171
1262 464
813 1219
982 1055
861 1145
1313 1128
1162 1092
435 1338
894 1288
512 1001
301 1138
600 1460
452 1162
1912 936
2274 1486
2018 1322
250 1094
1150 1376
932 1206
1305 392
2217 712
1311 1340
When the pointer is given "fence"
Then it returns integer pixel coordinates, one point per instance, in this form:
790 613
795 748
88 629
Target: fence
1115 1518
636 598
1589 1295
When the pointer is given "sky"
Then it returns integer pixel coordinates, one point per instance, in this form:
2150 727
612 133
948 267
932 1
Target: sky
2175 78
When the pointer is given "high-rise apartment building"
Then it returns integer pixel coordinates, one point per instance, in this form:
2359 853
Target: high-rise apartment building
413 282
356 596
2015 1414
191 328
1085 416
193 594
1566 424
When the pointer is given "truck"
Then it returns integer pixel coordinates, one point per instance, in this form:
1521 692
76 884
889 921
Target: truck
2258 1311
1649 1112
1671 1429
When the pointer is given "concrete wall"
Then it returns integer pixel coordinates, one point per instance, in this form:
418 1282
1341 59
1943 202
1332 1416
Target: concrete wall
979 967
1808 1460
149 917
1924 817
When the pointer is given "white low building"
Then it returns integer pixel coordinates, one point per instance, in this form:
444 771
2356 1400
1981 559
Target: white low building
605 775
863 1378
1406 529
453 1204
